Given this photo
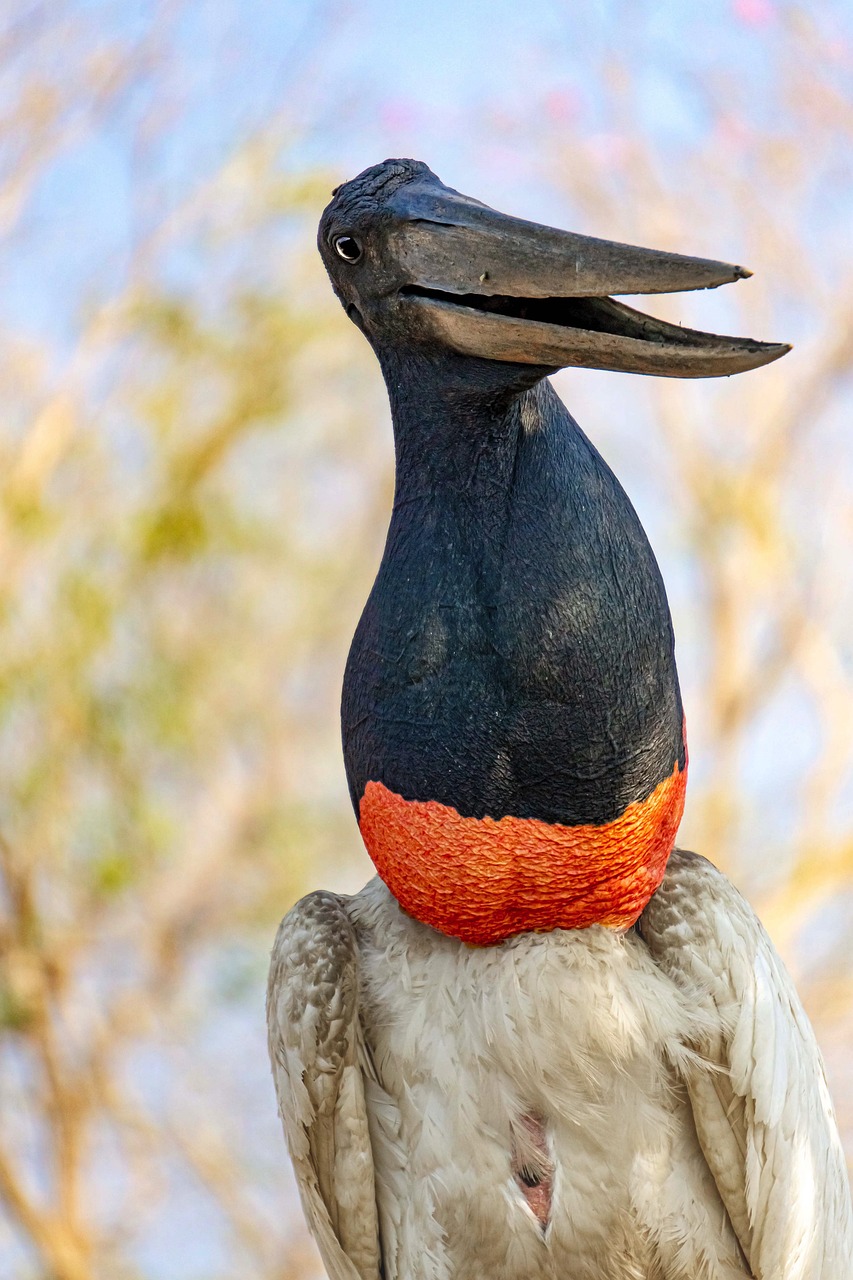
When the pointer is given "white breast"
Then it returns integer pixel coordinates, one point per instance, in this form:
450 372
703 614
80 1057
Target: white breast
577 1028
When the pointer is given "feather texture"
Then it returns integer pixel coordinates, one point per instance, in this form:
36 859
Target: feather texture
757 1087
318 1062
659 1090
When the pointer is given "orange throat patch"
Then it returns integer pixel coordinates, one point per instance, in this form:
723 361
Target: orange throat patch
484 879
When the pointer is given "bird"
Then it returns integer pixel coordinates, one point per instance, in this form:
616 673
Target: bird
543 1042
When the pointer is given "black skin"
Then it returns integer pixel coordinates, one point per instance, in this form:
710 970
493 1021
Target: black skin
516 654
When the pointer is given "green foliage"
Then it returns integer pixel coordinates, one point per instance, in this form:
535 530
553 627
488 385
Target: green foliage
170 650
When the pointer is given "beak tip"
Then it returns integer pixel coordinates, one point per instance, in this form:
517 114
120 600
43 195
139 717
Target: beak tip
742 273
776 350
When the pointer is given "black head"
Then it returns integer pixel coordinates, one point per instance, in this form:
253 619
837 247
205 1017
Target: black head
366 237
417 264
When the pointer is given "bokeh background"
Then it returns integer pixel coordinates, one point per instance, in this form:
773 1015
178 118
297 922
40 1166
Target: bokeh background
195 476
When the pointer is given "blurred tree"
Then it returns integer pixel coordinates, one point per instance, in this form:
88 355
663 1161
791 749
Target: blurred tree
171 649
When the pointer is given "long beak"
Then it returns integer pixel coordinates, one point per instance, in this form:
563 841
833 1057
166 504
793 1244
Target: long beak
498 287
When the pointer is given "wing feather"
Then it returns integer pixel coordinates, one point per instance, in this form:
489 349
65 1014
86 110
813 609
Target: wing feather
317 1051
757 1084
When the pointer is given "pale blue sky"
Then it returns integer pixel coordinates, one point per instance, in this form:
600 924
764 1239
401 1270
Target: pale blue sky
472 88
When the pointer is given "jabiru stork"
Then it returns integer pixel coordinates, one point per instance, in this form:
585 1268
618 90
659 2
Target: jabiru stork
541 1043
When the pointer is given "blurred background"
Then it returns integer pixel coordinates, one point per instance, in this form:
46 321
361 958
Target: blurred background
195 477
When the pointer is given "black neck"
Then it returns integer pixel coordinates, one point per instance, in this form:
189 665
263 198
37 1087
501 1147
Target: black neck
516 654
452 433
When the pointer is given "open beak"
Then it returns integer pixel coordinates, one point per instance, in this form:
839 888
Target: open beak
505 289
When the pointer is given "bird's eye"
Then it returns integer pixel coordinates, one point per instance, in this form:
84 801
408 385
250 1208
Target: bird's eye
347 248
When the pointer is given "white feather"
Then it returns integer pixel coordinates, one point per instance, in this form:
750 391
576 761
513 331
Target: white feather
760 1099
677 1079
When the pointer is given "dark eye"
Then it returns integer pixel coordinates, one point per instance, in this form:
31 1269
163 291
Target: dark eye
347 248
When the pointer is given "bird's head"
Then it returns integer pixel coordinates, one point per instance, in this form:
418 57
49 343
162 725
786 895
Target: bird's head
417 264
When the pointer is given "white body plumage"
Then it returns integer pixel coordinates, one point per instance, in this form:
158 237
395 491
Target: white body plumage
661 1088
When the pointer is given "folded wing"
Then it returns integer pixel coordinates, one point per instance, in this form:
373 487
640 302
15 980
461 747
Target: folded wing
315 1048
757 1084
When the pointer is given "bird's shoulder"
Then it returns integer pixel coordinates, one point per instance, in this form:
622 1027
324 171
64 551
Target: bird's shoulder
756 1079
317 1056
